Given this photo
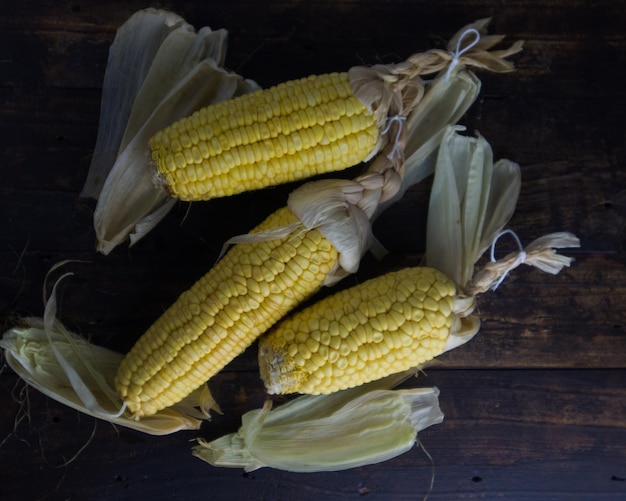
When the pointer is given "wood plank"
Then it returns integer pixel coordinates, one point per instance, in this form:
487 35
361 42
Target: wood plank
528 322
306 34
534 404
552 435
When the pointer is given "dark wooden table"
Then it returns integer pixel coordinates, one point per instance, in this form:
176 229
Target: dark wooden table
535 405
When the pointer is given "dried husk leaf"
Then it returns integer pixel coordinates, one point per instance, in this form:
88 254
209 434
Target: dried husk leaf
445 101
166 70
393 91
186 47
478 53
541 253
337 208
131 54
464 192
347 429
132 200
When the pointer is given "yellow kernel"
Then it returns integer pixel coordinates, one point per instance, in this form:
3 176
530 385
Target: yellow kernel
342 363
417 314
424 325
423 285
363 353
335 342
304 351
299 360
302 337
289 335
327 369
312 345
430 304
445 307
353 358
317 360
323 351
292 350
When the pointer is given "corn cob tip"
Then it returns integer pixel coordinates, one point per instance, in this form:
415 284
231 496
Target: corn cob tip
386 325
278 371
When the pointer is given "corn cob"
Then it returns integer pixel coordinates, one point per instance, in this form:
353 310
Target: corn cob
300 128
401 320
289 132
386 325
247 291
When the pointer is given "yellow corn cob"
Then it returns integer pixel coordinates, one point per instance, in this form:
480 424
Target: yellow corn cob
289 132
247 291
386 325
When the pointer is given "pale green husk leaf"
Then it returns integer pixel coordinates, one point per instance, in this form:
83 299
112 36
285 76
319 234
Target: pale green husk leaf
74 372
471 200
188 49
347 429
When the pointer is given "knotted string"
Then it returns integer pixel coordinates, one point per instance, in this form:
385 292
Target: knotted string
541 253
458 52
520 258
397 151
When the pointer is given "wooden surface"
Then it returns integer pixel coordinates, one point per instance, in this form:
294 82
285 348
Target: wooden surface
535 405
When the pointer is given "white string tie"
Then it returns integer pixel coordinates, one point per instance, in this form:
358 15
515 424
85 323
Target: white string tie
520 258
396 152
458 52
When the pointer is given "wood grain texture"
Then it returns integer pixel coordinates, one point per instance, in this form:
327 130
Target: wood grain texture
535 405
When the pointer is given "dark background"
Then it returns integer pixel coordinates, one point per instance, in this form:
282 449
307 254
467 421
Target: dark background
535 405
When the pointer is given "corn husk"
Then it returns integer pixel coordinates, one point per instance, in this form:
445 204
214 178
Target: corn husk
347 429
472 199
131 55
445 102
393 91
166 70
466 199
76 373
